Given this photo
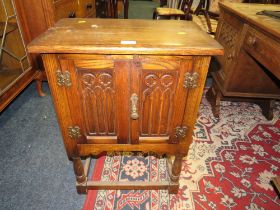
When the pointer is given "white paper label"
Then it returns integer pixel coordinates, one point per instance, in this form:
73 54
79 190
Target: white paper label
128 42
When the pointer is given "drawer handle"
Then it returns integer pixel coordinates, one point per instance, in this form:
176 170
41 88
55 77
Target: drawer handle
133 112
72 15
251 40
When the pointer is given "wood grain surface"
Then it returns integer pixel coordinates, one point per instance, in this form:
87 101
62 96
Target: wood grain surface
248 13
109 36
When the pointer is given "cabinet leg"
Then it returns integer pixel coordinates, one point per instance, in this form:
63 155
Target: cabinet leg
217 107
39 79
39 88
214 96
175 174
267 108
81 179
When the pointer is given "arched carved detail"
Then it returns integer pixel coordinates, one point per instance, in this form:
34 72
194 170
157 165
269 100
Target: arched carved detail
158 90
98 102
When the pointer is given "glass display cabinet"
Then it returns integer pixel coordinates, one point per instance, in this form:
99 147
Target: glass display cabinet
20 22
14 62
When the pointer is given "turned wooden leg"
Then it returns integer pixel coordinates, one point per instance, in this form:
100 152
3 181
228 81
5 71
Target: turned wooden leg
126 6
214 96
154 15
217 106
267 108
80 175
175 174
39 88
39 77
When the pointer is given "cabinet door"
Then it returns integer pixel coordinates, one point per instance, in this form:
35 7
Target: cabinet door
160 103
98 98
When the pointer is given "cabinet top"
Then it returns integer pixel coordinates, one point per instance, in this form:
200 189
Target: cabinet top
120 36
248 12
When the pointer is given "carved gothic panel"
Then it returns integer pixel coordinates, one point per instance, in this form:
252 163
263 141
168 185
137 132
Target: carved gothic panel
98 101
158 90
228 35
228 38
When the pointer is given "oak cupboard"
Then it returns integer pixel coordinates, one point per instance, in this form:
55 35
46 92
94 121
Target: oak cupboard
126 85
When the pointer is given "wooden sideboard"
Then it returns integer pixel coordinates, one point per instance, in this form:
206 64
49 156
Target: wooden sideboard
250 68
126 85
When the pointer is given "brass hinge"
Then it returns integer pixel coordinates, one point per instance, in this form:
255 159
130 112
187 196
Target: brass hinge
74 132
180 132
191 80
63 78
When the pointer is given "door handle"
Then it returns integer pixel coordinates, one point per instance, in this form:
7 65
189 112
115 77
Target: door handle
133 109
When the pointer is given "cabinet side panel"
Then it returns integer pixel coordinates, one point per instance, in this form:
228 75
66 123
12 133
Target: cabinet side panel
67 66
201 64
182 95
60 103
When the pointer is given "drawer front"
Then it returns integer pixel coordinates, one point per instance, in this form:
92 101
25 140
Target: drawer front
264 49
65 9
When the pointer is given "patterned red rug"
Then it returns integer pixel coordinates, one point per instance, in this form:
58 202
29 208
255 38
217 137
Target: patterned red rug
229 166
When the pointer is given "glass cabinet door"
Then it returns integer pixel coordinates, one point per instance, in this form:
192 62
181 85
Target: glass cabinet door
13 57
